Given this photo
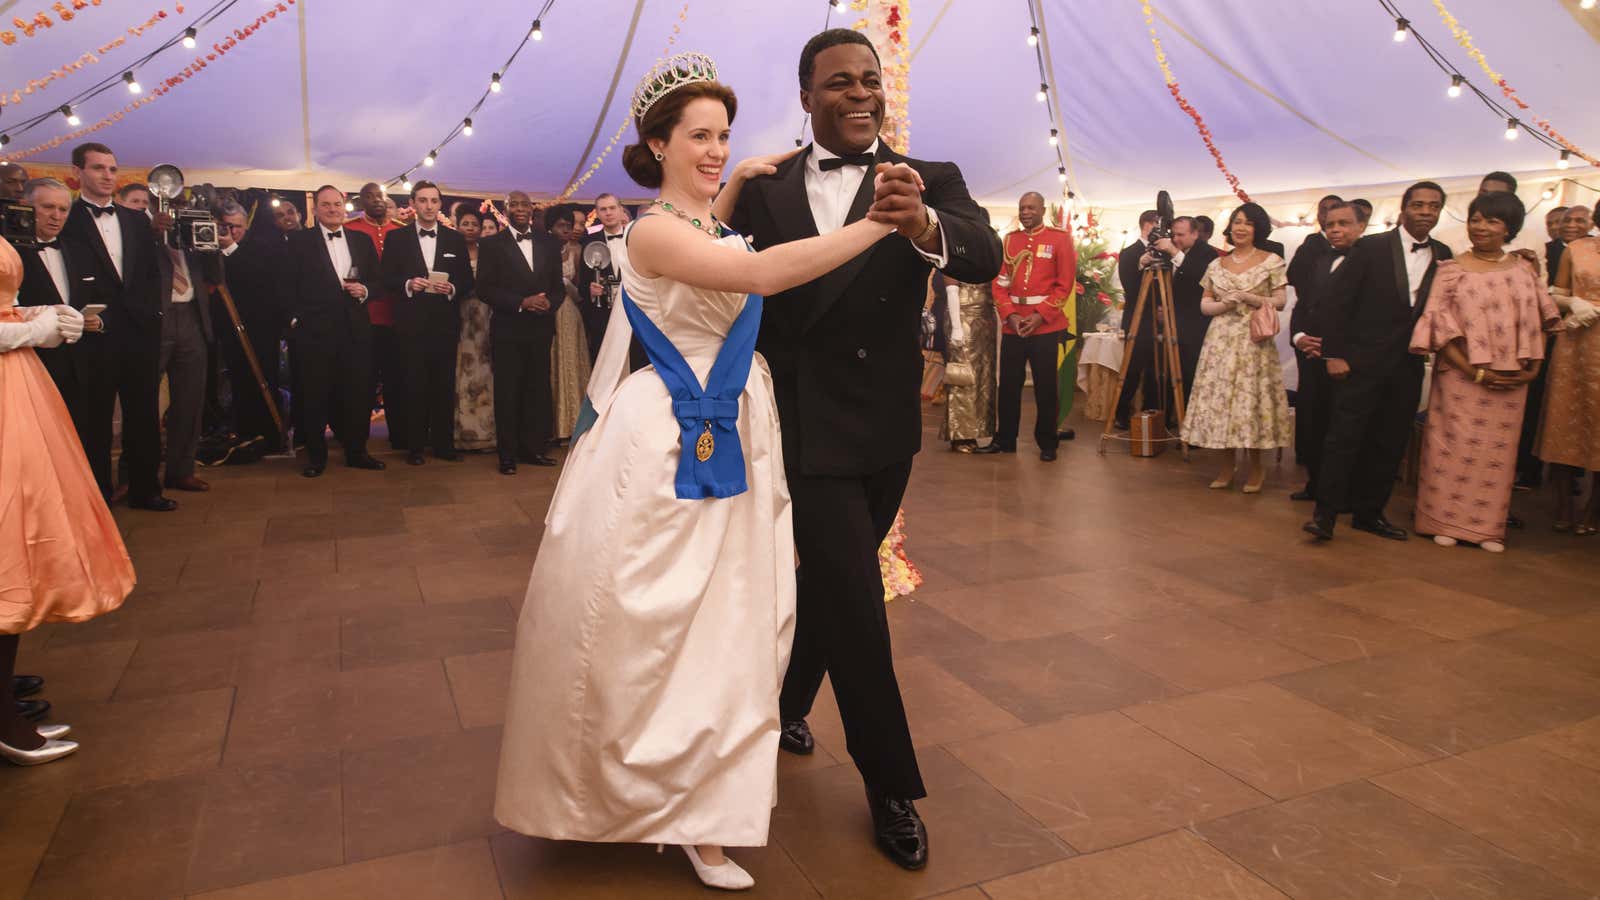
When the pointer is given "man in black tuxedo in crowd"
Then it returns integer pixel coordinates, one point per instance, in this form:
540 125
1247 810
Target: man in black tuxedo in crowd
1311 250
1554 247
594 295
1342 225
54 272
250 264
1191 257
126 261
332 334
519 276
428 320
846 365
1141 366
1365 320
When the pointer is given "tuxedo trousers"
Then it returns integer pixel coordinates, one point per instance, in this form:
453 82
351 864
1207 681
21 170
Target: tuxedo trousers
524 404
841 627
431 332
127 368
388 380
184 360
1370 420
336 384
594 325
1313 407
1017 353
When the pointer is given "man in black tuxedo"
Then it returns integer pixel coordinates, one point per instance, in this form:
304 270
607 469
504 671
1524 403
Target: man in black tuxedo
1310 251
1342 224
428 319
55 272
594 296
126 261
250 264
846 364
1191 257
1554 247
1365 320
519 276
1141 366
332 334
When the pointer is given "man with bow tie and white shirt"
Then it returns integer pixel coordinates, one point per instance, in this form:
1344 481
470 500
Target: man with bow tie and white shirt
595 296
54 272
428 320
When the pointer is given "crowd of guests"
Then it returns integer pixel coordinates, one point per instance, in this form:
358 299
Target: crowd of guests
1515 379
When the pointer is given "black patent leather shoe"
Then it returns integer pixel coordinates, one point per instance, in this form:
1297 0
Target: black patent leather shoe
1302 495
1320 527
1047 455
33 710
992 447
507 467
542 460
1067 434
415 459
312 471
157 503
365 462
26 685
795 737
899 830
1381 527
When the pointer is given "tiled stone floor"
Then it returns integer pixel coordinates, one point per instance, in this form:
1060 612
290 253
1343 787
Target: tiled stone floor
1122 685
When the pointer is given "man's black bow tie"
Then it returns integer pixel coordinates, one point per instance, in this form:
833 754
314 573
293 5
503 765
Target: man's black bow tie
614 237
51 244
859 159
1421 245
335 235
100 210
430 232
1340 254
524 236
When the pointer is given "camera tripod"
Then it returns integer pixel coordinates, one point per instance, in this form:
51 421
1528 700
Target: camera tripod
1157 280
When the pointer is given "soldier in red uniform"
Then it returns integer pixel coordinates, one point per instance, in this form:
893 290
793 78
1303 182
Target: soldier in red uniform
1031 295
388 357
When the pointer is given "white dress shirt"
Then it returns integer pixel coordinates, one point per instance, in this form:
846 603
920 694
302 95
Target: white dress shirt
1417 263
430 249
523 247
110 234
831 195
339 251
180 262
230 249
56 265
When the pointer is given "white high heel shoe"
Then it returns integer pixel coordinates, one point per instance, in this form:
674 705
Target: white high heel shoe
50 752
726 877
53 732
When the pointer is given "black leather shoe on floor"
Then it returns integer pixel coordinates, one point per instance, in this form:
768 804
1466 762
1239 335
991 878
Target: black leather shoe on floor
448 456
26 685
1301 495
157 503
795 737
1381 527
1320 527
899 830
366 462
1067 434
33 710
1047 456
415 459
542 460
313 471
508 468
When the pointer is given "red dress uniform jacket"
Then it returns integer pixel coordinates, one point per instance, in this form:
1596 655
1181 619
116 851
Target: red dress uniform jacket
380 306
1038 263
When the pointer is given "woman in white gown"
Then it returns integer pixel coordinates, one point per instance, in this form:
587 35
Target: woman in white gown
652 645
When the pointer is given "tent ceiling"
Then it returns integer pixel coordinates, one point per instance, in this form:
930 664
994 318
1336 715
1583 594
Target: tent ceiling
387 78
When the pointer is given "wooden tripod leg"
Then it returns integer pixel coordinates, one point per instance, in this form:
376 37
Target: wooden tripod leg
1174 357
1127 356
250 357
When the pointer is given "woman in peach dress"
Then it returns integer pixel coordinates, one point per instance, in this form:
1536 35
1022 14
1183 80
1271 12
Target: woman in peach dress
61 558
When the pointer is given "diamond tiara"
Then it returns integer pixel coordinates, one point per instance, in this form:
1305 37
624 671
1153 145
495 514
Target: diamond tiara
668 75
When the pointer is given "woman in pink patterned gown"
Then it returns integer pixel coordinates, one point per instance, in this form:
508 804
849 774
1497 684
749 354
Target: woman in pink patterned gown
1485 318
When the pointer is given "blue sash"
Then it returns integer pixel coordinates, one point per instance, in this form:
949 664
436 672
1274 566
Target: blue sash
712 461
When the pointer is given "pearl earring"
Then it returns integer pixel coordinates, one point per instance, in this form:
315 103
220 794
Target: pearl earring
659 157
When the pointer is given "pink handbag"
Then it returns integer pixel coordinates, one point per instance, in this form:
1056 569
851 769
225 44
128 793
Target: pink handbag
1264 325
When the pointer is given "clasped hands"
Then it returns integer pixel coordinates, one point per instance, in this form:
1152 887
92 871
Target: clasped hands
897 199
1235 299
1496 380
535 303
425 286
1024 325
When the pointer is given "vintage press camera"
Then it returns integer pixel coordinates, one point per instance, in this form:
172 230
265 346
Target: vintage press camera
597 256
1162 230
17 223
195 228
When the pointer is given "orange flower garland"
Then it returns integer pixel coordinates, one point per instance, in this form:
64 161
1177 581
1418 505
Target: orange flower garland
1187 107
887 25
42 19
93 56
218 50
1464 38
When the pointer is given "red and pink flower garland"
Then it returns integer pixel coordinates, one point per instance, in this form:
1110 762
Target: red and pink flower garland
1187 107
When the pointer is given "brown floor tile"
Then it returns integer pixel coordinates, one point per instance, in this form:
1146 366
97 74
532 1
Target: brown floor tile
1259 576
298 528
1051 677
1136 587
939 707
1103 780
997 560
502 512
1573 642
475 579
1536 805
249 565
390 552
262 822
318 596
35 800
918 629
458 872
1436 610
202 660
196 537
1323 629
1358 842
536 868
975 833
126 742
147 614
127 842
1196 652
1448 698
1174 866
479 684
349 710
1579 743
158 570
383 637
1272 740
420 792
78 672
1014 610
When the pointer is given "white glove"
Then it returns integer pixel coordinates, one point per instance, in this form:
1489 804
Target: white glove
952 295
1581 313
39 331
70 323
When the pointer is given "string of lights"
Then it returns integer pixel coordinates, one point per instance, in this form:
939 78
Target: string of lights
1036 42
187 38
1460 83
463 128
827 21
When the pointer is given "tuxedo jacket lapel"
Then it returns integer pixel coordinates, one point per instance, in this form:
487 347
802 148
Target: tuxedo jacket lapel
831 285
91 237
1397 252
791 206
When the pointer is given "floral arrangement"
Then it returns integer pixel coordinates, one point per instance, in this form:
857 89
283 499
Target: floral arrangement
887 23
1187 107
1464 39
42 19
89 57
1098 288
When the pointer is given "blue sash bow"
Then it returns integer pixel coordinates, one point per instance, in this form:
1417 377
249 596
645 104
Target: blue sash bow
712 461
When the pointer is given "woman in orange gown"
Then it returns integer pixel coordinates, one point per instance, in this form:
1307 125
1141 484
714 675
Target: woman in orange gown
61 558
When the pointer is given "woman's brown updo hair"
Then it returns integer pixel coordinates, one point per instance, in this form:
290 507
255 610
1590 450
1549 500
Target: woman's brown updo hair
638 159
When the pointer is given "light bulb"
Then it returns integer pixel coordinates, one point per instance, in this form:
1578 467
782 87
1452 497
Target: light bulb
4 139
1565 162
1586 4
1033 36
72 117
1061 175
349 207
133 83
188 38
1044 92
406 185
537 33
1511 129
1055 137
466 128
494 82
1455 85
431 158
1401 26
836 4
276 202
1549 193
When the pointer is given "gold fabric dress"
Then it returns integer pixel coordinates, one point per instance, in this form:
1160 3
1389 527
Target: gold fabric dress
970 410
1570 431
474 376
569 359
